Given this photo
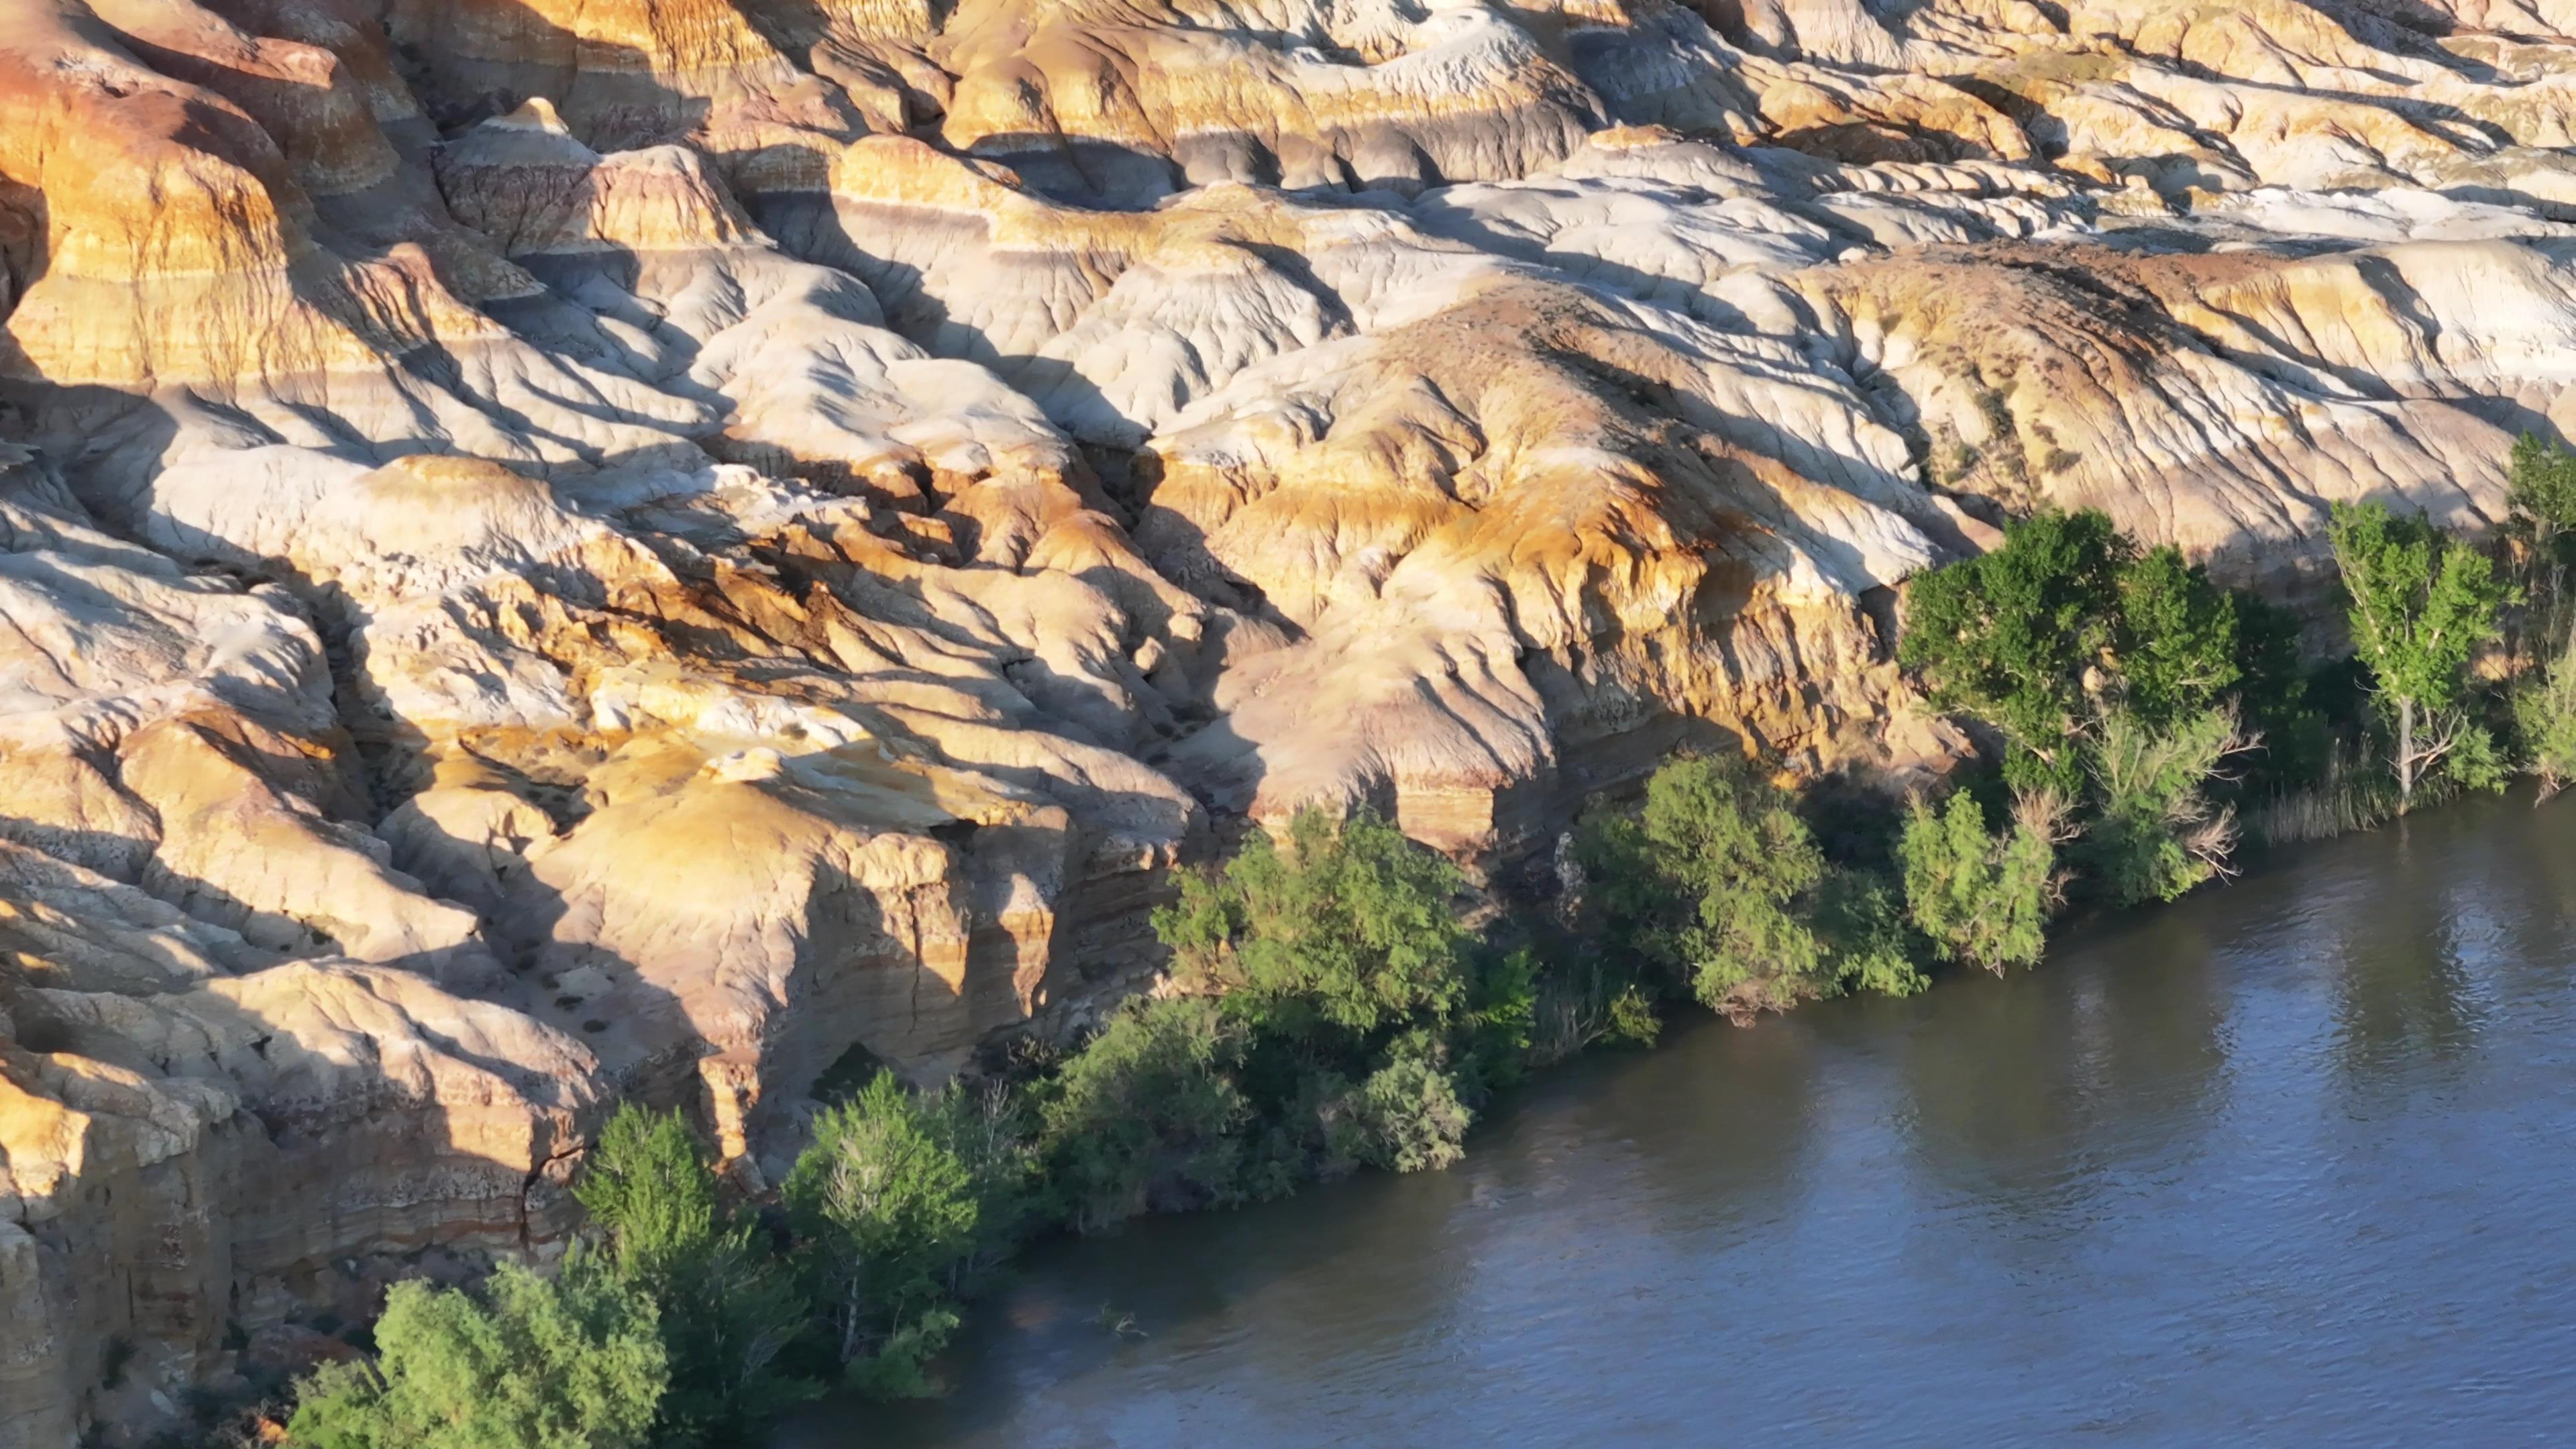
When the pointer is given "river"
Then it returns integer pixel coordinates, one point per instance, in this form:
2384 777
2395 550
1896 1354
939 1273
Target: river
2291 1161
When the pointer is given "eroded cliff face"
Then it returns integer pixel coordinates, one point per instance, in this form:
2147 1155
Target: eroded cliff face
559 551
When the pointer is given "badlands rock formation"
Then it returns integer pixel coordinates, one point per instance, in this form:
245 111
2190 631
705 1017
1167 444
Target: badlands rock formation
559 551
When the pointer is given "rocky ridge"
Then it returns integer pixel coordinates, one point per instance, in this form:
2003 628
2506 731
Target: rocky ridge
563 551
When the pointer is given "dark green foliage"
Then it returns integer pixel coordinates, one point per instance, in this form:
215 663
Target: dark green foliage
665 1232
2067 621
1502 1016
884 1208
1863 924
2007 636
1151 1101
572 1363
2276 703
2176 637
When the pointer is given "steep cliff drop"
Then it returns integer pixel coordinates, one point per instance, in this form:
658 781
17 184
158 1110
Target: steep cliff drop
555 552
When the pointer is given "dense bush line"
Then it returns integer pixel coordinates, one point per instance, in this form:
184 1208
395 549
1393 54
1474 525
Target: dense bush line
1329 1006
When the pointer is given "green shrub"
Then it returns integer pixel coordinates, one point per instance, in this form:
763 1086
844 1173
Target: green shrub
2155 832
1980 898
2544 714
1863 922
1151 1100
1413 1117
1633 1020
575 1363
1502 1016
1713 883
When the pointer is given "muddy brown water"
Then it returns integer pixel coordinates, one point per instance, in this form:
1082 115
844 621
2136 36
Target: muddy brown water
2290 1162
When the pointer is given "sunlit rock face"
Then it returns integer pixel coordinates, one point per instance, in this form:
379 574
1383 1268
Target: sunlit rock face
556 552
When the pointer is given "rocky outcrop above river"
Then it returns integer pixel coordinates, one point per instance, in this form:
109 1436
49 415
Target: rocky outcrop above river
554 552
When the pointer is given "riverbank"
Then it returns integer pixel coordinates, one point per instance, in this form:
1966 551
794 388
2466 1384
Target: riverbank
2260 1163
1333 1003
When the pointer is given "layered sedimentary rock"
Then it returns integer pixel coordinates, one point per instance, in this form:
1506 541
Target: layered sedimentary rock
557 552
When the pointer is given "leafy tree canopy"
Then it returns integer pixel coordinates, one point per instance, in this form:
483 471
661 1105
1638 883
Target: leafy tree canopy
2421 606
573 1363
883 1207
664 1231
1715 880
1351 922
2063 622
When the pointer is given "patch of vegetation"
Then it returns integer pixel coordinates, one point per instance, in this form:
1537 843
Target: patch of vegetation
571 1362
2422 606
1981 897
1718 890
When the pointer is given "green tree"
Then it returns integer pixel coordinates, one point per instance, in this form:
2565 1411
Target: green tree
2274 700
1981 898
2065 621
987 1127
2008 636
2421 606
2544 711
2175 637
1715 881
575 1363
728 1306
883 1208
2540 490
1352 923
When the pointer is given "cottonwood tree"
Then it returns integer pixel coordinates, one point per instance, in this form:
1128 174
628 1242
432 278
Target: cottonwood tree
729 1307
882 1208
2541 491
2421 605
2064 623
